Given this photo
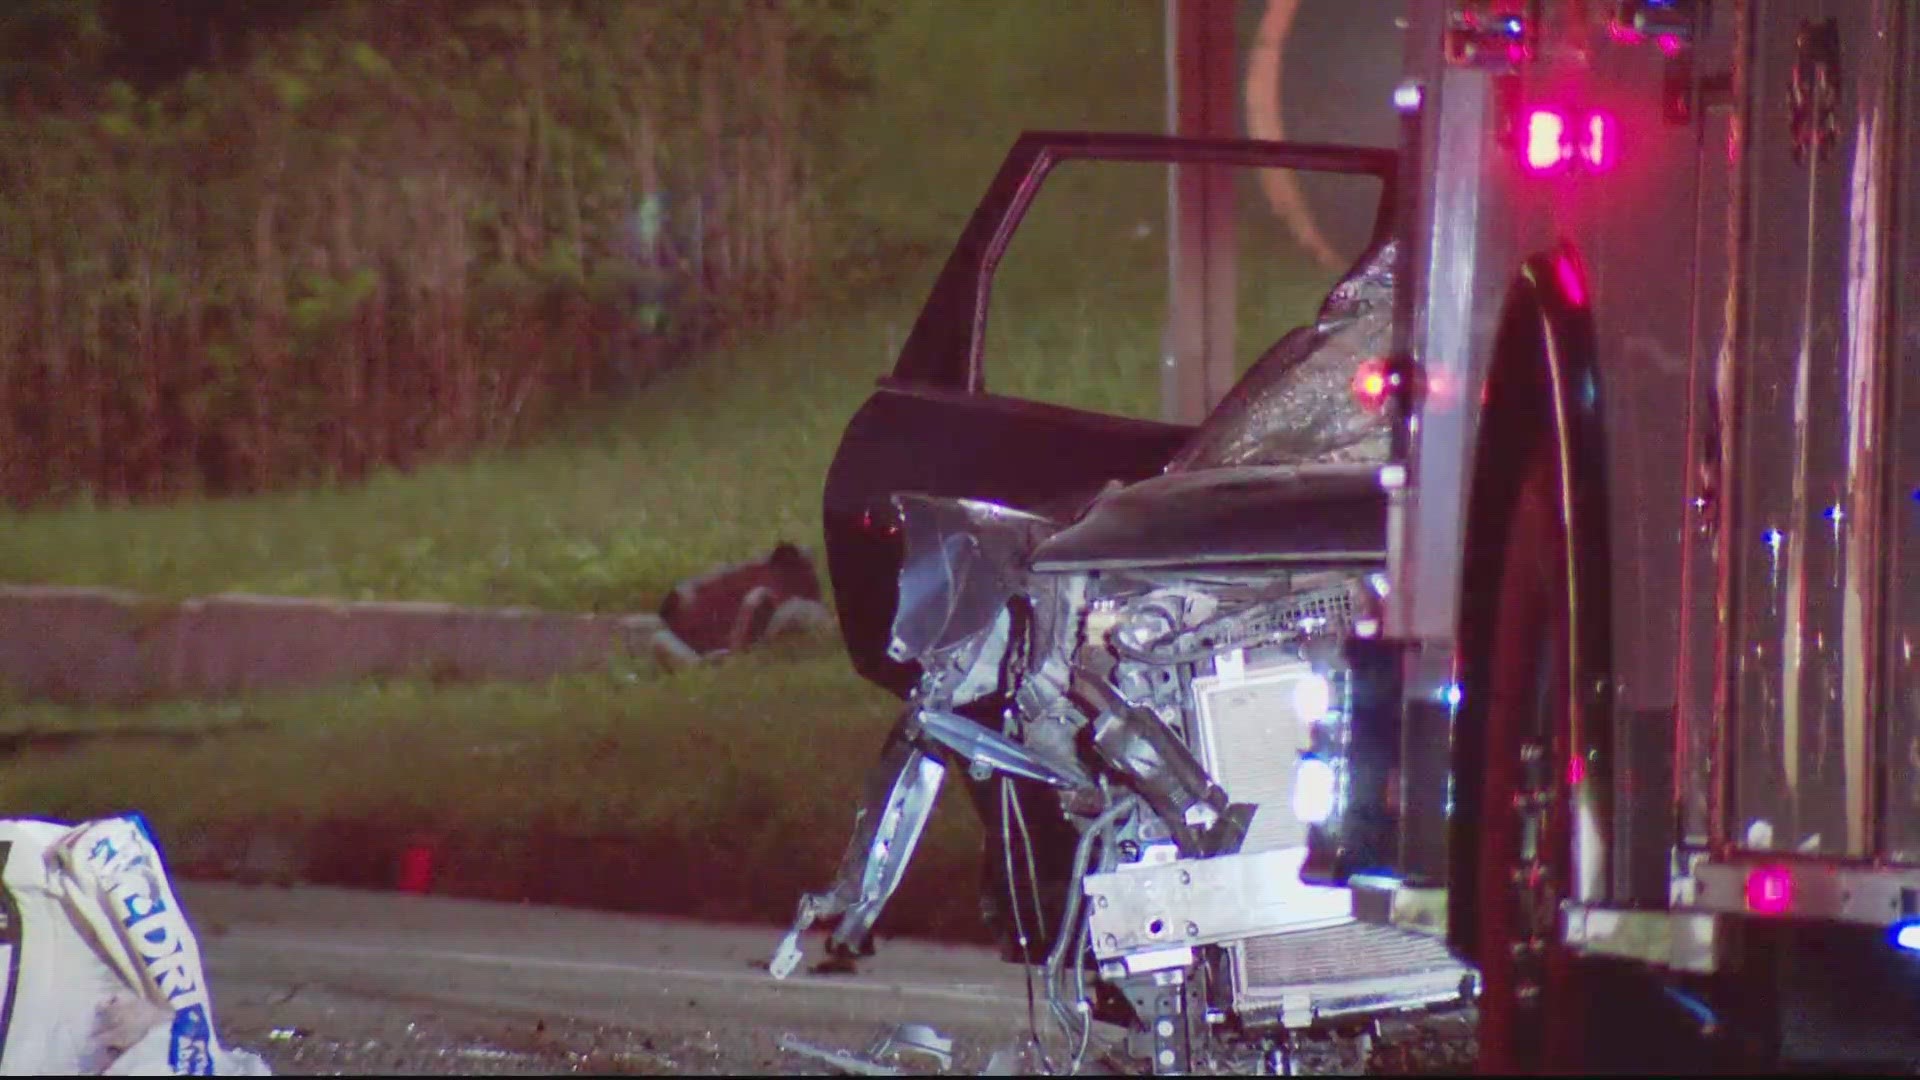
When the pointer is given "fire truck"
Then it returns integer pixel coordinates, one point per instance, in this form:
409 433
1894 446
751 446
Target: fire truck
1646 701
1594 658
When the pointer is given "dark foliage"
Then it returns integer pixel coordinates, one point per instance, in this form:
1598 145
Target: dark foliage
253 243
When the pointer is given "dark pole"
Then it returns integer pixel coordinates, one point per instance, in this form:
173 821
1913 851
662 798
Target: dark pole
1202 100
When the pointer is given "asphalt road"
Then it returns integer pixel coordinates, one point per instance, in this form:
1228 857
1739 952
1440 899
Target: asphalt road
329 981
326 980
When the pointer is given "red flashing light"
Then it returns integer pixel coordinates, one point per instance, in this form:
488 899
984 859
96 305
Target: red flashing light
1371 384
1576 770
416 869
1553 139
1546 148
1598 151
880 525
1770 890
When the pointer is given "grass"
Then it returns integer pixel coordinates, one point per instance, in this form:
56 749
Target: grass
585 756
600 752
713 463
723 458
717 462
760 757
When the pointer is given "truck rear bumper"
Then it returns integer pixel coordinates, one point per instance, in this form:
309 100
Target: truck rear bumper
1790 888
1692 935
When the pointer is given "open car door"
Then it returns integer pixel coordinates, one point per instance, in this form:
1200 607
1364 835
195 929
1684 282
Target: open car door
932 426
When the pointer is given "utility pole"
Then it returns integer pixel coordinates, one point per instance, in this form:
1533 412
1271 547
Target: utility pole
1202 60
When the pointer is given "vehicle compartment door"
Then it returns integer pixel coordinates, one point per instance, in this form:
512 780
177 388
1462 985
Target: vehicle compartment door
1807 378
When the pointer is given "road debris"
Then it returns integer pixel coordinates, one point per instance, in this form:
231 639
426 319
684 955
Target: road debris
883 1056
1008 1061
914 1039
103 974
851 1064
732 608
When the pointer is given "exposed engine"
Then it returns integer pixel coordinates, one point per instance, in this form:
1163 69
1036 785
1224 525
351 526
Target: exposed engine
1149 697
1190 724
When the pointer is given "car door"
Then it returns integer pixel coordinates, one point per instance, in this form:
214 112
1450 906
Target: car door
934 426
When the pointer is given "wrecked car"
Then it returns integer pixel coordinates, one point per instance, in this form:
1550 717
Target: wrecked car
1123 637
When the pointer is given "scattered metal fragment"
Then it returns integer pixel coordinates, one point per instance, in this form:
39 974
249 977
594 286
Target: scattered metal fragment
788 955
846 1063
914 1039
1007 1061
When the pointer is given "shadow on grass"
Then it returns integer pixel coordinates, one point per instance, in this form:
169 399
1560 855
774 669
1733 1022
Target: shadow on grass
659 873
48 741
723 791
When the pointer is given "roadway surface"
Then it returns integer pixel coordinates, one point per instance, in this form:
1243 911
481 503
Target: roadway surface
333 981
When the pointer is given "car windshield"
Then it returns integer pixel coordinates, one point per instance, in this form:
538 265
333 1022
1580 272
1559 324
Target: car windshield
1296 404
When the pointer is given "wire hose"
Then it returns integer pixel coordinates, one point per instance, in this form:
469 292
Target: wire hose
1007 815
1082 1006
1070 930
1033 873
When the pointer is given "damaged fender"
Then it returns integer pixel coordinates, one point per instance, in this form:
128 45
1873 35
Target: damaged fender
900 795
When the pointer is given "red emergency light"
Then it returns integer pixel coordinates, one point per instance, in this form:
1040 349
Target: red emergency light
1377 379
1554 139
1547 147
1371 384
1770 890
1598 150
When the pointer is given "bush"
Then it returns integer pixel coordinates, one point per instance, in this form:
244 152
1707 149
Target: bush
394 230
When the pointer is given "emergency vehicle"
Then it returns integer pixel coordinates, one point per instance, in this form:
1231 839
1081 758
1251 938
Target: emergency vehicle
1654 748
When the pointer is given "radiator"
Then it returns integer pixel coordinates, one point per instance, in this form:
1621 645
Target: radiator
1249 734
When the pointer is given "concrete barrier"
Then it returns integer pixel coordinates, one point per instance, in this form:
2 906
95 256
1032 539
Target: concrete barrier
99 646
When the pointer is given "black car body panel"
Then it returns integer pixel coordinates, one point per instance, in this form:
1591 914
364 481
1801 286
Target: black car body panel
1254 514
931 428
1040 458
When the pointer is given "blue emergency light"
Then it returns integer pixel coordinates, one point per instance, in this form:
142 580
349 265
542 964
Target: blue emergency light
1906 936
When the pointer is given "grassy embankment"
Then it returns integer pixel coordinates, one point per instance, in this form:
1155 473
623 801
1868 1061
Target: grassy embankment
754 762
